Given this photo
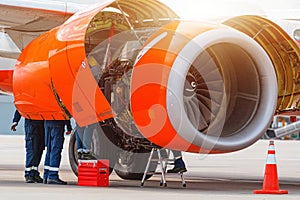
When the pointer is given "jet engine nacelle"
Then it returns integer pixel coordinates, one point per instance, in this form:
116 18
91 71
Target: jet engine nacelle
191 86
203 87
219 89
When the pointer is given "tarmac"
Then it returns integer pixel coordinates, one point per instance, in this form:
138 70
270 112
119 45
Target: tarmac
224 176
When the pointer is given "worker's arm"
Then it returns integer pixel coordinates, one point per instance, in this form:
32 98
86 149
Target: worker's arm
16 119
69 127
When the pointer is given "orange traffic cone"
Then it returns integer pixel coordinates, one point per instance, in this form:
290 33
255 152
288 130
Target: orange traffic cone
270 185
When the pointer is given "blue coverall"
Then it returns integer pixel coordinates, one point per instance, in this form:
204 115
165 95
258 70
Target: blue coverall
34 143
54 139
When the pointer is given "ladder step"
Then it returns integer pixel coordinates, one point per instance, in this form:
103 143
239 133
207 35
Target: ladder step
163 162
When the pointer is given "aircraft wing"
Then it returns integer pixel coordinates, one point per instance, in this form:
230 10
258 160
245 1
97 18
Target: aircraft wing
23 20
32 16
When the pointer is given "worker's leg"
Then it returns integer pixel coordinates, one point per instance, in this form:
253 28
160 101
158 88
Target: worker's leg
177 154
179 165
29 153
57 138
79 138
48 152
87 142
57 141
38 140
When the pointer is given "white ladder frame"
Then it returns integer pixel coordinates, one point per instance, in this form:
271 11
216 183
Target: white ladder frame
163 163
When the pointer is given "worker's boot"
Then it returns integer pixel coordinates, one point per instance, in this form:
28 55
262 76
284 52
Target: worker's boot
29 179
88 156
56 181
79 155
179 166
37 179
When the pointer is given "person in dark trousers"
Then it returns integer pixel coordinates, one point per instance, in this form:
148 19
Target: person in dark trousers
179 165
54 139
84 142
34 144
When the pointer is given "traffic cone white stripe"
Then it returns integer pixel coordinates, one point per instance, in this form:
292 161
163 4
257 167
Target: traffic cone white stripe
271 159
272 147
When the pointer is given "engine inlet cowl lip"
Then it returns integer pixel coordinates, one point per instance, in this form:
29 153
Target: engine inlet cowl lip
177 86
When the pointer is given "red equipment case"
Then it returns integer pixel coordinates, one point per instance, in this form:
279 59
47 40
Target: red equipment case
93 173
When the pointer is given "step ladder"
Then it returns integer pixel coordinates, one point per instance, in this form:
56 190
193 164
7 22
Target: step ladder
163 164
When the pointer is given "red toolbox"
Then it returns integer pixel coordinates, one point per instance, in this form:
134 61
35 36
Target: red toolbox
93 173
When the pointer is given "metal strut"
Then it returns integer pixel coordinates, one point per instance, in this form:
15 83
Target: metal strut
128 22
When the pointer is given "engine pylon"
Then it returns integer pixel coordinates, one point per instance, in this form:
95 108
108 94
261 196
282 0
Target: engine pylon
271 185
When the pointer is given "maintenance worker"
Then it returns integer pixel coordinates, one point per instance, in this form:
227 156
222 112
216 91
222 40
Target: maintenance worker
179 166
34 144
84 142
54 133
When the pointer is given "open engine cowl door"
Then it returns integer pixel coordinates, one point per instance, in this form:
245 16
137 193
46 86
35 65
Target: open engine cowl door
54 76
283 52
71 74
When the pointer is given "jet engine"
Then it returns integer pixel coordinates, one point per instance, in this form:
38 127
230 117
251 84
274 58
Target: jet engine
218 92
